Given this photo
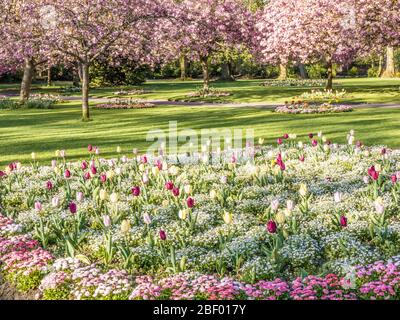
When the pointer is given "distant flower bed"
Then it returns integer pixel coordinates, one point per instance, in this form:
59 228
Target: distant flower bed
305 107
45 96
211 92
35 102
323 95
132 92
202 95
295 83
124 104
71 89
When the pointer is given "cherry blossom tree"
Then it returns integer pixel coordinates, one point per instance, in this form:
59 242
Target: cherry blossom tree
379 29
211 26
22 31
85 30
308 31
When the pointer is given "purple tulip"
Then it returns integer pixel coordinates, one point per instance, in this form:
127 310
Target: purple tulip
311 135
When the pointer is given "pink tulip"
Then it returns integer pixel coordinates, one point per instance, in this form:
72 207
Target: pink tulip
302 158
38 206
279 141
93 169
2 173
84 165
107 221
103 178
87 175
79 196
285 136
383 151
314 143
67 174
53 163
393 178
90 148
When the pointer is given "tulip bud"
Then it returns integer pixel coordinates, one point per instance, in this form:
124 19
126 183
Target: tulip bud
169 185
33 156
227 216
146 218
114 197
103 194
274 205
280 218
49 185
67 174
107 221
338 196
175 191
303 190
38 206
125 226
55 202
79 196
118 149
182 214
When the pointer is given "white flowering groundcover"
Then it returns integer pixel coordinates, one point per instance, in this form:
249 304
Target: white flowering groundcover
309 219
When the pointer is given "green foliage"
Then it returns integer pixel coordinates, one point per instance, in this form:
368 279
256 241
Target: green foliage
25 283
104 73
9 104
60 293
39 104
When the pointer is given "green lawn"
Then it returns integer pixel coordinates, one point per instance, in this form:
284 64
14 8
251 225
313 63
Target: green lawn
366 90
44 131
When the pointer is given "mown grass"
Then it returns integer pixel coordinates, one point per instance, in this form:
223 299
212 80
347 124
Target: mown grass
44 131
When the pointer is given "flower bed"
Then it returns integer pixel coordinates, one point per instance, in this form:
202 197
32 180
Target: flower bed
305 107
124 104
295 83
202 95
132 92
145 228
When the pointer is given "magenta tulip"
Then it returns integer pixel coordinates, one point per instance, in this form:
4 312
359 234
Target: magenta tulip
190 202
271 226
393 178
49 185
72 207
103 178
343 221
285 136
87 175
175 191
90 148
169 185
93 170
84 165
314 143
279 141
136 191
163 235
67 174
311 135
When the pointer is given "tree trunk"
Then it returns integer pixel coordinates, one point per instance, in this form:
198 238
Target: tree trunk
390 71
85 91
329 85
303 72
26 83
49 76
226 72
183 66
282 72
206 73
380 66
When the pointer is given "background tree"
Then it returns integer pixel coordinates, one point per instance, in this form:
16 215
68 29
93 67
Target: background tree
212 26
90 29
308 31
